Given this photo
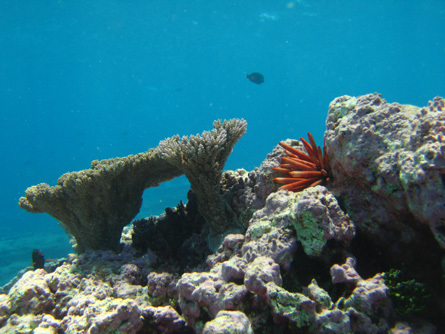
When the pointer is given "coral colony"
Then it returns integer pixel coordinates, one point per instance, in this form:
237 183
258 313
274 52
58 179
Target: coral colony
245 255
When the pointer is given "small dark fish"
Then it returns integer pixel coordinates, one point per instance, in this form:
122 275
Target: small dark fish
255 77
38 259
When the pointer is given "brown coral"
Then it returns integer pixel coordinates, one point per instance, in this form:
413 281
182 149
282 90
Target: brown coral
94 205
202 159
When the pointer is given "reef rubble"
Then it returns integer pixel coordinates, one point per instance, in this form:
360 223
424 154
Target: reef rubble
313 261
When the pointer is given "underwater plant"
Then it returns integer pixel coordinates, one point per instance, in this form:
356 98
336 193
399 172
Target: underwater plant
408 296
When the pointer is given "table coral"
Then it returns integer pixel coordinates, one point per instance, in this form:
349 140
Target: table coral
202 159
95 204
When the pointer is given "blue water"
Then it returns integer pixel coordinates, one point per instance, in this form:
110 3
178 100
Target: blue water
83 80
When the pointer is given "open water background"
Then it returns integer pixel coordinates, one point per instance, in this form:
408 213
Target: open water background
84 80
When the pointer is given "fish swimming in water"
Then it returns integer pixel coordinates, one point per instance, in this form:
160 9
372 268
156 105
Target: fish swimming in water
38 259
255 77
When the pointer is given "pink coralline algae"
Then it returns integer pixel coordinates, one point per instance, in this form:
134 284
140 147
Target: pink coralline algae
249 190
87 294
161 288
229 322
345 273
262 271
33 295
315 216
205 294
166 320
395 155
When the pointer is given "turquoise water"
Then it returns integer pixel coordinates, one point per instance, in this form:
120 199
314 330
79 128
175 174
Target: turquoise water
81 81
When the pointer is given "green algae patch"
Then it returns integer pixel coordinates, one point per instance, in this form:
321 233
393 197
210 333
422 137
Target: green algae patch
309 233
321 296
259 228
308 229
296 307
409 297
342 107
393 145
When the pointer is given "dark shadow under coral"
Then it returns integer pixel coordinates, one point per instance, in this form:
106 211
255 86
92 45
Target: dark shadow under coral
177 238
420 259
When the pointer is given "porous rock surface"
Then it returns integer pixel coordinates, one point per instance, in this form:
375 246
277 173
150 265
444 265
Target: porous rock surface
97 292
395 156
103 292
228 322
314 214
247 191
388 167
246 272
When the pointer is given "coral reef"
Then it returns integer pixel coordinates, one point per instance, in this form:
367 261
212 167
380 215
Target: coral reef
202 159
228 322
184 249
314 215
394 154
97 292
312 261
388 162
247 191
95 204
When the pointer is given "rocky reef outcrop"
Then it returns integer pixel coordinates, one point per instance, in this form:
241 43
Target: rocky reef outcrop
389 165
314 261
395 155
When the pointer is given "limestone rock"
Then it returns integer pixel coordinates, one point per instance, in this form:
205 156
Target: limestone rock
228 322
395 156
